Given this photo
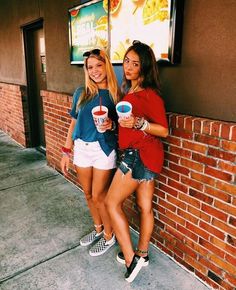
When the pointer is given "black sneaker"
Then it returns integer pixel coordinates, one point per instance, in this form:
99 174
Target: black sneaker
134 268
121 259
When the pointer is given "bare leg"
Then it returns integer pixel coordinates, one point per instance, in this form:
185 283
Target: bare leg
122 186
144 195
100 185
85 176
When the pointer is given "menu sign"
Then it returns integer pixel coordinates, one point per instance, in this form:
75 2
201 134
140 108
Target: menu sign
88 29
114 24
145 20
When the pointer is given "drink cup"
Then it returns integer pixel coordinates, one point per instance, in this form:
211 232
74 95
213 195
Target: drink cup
99 116
124 109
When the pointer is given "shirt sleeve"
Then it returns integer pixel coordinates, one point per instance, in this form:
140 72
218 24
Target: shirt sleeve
76 96
156 109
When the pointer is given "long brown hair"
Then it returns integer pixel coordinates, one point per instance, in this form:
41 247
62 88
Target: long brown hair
149 74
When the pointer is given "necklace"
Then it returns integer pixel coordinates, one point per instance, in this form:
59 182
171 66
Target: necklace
133 90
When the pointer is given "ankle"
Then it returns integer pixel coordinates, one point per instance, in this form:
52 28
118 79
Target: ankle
141 253
107 237
99 228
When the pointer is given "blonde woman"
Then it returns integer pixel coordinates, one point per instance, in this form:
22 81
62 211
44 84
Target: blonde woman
94 152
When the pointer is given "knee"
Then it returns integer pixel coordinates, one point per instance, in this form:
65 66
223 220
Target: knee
109 204
88 195
145 209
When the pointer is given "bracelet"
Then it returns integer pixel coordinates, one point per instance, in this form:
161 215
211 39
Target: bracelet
139 121
65 154
145 126
66 150
113 126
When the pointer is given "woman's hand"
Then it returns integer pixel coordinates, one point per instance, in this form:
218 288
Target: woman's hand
127 122
65 164
106 125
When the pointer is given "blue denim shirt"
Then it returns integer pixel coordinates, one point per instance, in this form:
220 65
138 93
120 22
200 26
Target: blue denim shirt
85 128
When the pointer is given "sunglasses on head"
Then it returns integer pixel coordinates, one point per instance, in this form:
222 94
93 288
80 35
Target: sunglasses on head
95 51
135 42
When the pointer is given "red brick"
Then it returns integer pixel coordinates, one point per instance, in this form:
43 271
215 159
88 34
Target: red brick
180 121
188 233
193 146
182 134
172 120
209 265
176 201
199 213
231 240
228 146
188 124
174 217
172 157
175 233
207 140
230 279
217 193
195 263
200 196
206 127
214 212
225 130
191 164
233 133
212 230
173 140
191 182
211 248
169 190
224 265
167 205
228 248
230 188
218 174
231 259
225 207
231 168
185 249
215 129
189 200
179 169
221 154
177 185
197 230
180 151
204 159
167 221
171 174
232 221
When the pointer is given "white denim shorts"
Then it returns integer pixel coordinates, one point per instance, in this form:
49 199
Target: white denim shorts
90 154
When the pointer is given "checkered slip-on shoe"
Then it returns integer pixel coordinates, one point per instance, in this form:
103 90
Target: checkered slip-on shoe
102 246
90 238
121 259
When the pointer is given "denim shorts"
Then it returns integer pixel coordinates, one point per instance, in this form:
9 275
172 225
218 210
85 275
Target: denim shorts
131 161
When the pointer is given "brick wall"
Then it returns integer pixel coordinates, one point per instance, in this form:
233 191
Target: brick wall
14 112
195 197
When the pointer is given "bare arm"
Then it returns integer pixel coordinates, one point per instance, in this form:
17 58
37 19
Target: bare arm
68 144
152 128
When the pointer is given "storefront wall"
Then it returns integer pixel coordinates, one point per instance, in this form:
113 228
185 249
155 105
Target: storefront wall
195 198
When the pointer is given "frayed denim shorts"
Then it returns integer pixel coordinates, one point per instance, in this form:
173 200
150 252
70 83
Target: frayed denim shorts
131 161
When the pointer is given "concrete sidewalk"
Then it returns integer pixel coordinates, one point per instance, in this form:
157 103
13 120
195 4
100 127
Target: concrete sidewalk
42 218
